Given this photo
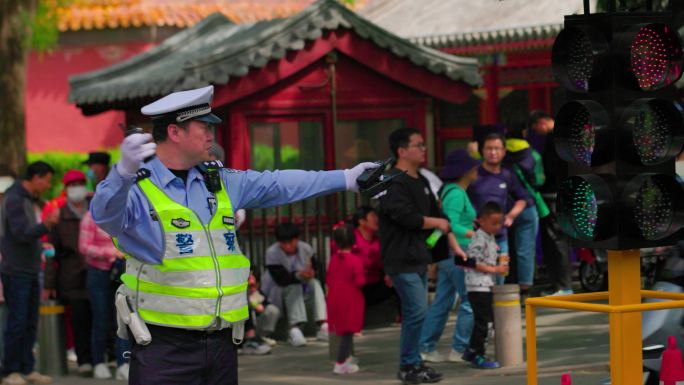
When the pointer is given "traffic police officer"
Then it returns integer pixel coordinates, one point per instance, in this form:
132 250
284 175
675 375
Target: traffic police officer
183 296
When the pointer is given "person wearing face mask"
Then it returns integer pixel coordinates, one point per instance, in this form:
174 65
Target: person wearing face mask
65 274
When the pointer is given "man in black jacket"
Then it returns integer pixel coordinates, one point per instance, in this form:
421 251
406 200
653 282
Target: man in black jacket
408 214
555 244
21 247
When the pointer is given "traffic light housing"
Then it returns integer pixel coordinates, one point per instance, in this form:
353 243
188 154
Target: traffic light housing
620 130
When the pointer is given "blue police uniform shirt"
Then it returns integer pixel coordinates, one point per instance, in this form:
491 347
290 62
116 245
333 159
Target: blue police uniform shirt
124 212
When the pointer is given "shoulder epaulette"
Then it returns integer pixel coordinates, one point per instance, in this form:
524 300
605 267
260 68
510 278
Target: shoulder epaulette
143 173
203 167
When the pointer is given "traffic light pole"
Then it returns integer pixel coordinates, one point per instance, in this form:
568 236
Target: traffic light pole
624 311
624 280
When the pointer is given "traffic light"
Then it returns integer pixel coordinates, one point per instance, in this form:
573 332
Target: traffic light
620 130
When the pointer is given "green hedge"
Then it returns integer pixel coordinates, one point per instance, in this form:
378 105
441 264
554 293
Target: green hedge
62 162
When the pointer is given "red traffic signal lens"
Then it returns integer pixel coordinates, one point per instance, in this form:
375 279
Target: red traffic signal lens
656 127
656 56
657 203
582 127
577 57
584 204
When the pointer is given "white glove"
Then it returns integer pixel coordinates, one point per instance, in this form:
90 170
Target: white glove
134 149
351 174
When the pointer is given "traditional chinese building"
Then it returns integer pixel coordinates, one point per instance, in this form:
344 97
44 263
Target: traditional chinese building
318 90
511 40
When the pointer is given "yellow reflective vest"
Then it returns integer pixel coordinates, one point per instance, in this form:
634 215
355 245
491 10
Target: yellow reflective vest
203 276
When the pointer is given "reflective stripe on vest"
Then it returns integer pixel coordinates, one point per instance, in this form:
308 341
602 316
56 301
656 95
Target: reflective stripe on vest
203 274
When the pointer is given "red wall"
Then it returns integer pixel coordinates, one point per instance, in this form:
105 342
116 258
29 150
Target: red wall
52 123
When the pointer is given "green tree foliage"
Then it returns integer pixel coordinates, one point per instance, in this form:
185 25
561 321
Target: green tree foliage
44 34
263 157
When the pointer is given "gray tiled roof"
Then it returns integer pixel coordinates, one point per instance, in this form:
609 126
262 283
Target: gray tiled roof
463 23
489 37
216 50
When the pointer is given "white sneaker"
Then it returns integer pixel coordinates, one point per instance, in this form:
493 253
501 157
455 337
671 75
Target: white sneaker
269 341
455 356
71 355
562 292
102 372
14 379
253 348
433 356
322 334
38 379
346 368
296 337
85 370
122 372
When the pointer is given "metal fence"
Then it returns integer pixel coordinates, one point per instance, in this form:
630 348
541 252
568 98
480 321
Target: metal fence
315 218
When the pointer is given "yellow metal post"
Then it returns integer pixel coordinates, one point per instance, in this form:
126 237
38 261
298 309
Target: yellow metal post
624 281
531 331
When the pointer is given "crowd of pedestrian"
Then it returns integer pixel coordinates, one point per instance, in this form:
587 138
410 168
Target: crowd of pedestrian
496 197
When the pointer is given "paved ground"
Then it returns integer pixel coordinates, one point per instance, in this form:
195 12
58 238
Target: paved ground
574 342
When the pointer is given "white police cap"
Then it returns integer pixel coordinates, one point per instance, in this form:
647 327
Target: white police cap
184 106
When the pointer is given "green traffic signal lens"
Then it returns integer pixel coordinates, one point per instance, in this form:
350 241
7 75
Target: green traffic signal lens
656 202
579 211
656 56
577 58
584 205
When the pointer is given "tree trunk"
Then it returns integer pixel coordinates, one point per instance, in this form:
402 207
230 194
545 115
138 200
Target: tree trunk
15 32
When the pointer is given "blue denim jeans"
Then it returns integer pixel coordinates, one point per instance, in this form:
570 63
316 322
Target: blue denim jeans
22 296
450 280
412 290
525 235
102 304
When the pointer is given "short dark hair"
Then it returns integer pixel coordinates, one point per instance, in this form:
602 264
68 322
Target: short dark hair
360 213
39 168
401 138
492 136
490 208
344 236
286 231
516 130
535 116
160 128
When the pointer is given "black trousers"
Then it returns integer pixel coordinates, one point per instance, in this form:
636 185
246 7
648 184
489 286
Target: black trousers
184 357
378 292
81 324
483 313
345 349
556 249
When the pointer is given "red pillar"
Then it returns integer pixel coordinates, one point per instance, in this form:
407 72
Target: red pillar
492 89
539 98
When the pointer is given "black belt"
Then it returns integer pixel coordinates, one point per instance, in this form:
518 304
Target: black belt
190 332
